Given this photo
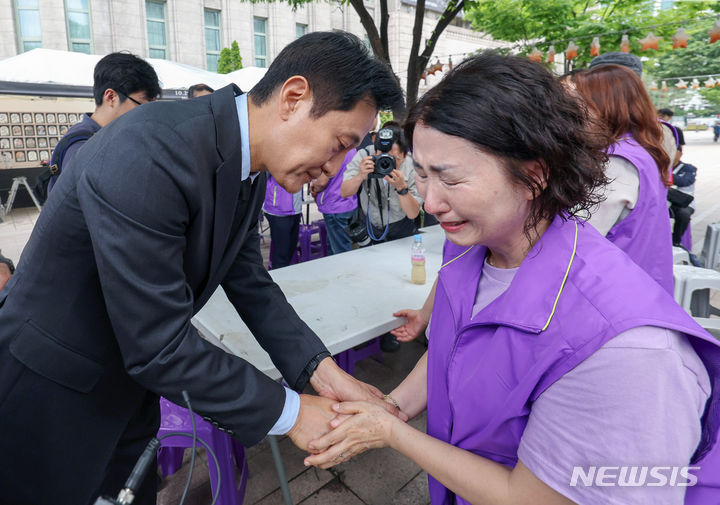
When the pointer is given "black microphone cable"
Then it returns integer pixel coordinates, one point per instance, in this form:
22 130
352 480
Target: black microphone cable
127 494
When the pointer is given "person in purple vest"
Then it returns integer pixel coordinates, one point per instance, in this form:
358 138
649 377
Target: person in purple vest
337 211
558 371
283 211
635 191
634 214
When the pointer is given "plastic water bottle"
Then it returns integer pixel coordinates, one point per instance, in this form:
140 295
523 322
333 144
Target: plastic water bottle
417 256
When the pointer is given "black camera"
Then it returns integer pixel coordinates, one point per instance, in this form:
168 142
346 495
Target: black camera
357 231
384 162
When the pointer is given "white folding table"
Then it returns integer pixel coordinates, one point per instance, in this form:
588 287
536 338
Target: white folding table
347 299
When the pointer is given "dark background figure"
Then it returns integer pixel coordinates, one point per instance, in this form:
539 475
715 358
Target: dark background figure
665 115
391 202
283 211
121 82
684 179
337 211
200 89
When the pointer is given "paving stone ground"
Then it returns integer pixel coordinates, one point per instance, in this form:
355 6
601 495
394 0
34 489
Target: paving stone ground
379 477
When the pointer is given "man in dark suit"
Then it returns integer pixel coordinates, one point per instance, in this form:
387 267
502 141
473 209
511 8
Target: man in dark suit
156 211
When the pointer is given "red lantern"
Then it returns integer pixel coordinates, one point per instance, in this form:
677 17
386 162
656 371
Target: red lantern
437 67
595 47
535 55
714 32
680 39
551 55
650 42
571 51
625 44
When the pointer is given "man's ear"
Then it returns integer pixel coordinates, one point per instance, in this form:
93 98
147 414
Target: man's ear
111 98
294 94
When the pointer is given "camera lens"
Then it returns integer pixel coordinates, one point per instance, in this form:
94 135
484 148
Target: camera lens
384 164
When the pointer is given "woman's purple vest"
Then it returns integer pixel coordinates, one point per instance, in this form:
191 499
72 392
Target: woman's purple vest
330 201
278 202
573 292
645 233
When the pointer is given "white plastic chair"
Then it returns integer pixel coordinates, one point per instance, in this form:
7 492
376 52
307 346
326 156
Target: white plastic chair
688 280
712 325
711 246
680 256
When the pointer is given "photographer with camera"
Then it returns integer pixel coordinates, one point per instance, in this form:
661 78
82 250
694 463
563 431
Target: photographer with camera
386 180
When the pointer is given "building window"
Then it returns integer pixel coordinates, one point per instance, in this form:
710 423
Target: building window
260 30
77 14
157 39
300 30
28 24
212 39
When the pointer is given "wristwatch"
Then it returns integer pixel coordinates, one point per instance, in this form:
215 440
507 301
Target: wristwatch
309 370
403 191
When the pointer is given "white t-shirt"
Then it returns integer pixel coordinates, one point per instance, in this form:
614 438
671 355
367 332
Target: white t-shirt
621 195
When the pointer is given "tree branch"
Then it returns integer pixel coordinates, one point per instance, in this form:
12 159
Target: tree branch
370 29
384 19
417 35
452 10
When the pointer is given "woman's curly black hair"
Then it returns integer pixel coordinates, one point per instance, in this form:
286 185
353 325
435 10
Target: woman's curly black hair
515 109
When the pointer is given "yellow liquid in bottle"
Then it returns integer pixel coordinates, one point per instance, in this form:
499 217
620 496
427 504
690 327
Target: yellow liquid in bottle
418 272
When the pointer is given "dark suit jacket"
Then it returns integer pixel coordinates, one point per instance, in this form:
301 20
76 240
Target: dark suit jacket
147 220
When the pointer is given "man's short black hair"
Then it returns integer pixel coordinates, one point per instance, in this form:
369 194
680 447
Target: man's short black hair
199 87
666 112
340 69
125 73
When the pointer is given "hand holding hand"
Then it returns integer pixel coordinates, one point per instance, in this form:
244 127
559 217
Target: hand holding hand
368 427
330 381
415 326
313 420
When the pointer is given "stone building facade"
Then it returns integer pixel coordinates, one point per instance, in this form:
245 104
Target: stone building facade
193 31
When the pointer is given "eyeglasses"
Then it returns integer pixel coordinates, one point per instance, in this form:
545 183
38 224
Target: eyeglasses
129 98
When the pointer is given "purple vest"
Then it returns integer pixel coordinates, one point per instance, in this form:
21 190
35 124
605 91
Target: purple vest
278 201
330 201
572 293
645 233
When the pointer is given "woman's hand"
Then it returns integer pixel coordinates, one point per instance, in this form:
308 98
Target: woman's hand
415 326
368 427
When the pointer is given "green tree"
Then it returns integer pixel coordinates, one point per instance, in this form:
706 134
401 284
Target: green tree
698 59
420 51
544 22
230 59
